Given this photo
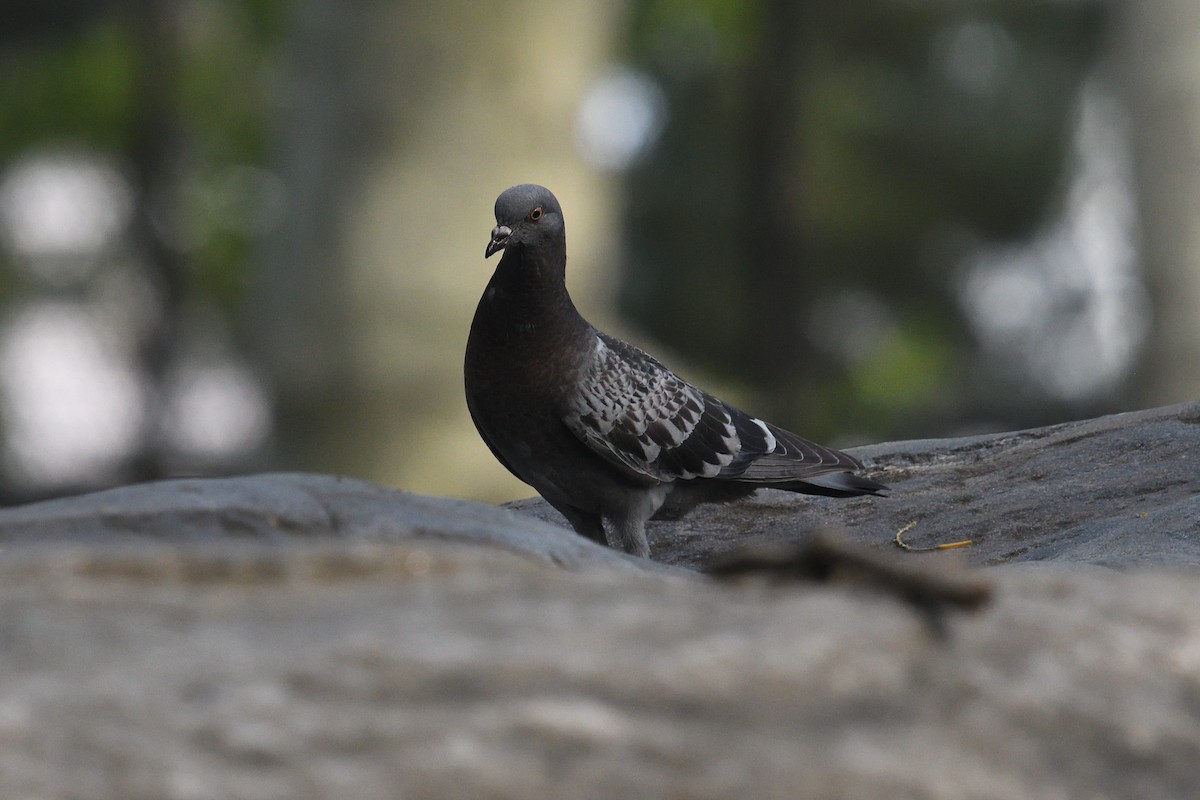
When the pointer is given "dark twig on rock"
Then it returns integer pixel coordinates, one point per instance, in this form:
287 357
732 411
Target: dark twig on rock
824 557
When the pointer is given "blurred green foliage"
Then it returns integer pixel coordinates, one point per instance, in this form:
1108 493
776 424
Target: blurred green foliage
97 76
75 89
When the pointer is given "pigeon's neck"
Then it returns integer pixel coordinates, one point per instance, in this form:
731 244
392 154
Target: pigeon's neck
528 296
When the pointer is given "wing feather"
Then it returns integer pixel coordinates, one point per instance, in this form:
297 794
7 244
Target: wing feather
650 424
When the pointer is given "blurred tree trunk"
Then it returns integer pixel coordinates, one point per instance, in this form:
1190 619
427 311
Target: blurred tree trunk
1158 53
156 148
300 324
778 274
401 123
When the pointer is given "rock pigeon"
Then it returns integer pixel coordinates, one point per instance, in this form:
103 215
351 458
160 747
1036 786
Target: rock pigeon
604 432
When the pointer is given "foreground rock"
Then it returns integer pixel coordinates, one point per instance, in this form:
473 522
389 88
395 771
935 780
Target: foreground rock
288 636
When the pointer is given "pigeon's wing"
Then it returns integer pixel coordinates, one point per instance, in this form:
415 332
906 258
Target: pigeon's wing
649 423
789 457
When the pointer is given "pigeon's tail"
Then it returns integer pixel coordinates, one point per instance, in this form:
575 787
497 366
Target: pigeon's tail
834 484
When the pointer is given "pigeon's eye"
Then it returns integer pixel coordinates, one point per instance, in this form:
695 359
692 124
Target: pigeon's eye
536 214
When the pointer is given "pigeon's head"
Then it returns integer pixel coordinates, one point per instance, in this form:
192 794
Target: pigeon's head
526 216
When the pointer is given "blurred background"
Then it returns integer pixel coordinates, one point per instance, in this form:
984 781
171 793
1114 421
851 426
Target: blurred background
243 236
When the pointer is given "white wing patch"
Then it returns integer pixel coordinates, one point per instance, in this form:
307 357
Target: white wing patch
766 432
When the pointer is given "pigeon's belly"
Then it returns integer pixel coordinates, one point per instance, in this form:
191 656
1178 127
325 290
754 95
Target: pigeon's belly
528 436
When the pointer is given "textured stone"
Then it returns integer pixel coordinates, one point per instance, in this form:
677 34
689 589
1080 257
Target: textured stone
286 509
295 636
1119 491
386 670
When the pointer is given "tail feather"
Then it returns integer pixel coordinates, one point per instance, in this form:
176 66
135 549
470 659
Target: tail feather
834 484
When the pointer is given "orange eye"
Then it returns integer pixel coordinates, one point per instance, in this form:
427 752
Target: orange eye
536 214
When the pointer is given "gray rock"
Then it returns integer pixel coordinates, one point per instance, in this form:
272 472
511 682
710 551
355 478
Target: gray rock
404 670
291 636
288 508
1118 491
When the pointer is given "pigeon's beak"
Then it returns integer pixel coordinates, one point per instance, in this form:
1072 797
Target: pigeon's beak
500 235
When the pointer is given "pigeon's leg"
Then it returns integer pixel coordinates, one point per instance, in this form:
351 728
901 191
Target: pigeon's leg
630 533
628 521
585 524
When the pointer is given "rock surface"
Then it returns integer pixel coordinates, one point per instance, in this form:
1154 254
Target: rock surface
297 636
286 509
1119 491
